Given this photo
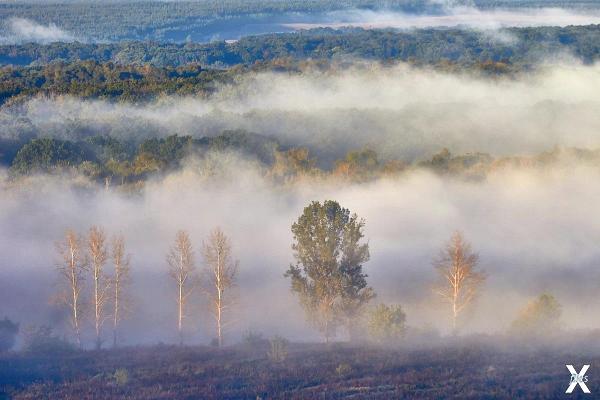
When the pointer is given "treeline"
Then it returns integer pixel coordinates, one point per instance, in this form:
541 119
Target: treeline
144 83
110 161
90 79
428 46
89 292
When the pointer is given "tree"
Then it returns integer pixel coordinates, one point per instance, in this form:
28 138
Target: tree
8 334
358 165
101 284
120 281
181 269
387 323
460 279
328 275
540 316
72 271
45 154
293 163
222 270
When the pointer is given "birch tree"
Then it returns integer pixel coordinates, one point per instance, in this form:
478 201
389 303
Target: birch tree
120 281
460 279
98 256
181 269
221 272
72 271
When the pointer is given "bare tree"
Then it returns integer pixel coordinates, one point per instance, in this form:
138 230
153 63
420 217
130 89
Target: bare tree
460 279
120 281
181 269
98 257
221 270
72 270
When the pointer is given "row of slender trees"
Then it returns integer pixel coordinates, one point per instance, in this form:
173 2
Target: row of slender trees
218 279
83 256
86 257
327 277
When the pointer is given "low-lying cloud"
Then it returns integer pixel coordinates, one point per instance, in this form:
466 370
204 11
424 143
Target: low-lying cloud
20 30
535 230
468 17
401 112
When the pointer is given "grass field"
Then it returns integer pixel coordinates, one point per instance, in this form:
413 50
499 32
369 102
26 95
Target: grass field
310 371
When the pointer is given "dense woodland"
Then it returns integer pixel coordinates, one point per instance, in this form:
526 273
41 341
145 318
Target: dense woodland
527 46
108 160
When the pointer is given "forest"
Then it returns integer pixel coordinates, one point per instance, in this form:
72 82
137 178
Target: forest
526 48
279 199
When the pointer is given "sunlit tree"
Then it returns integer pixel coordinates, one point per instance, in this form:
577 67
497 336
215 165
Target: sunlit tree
72 269
120 281
98 254
460 279
221 273
358 165
292 164
181 269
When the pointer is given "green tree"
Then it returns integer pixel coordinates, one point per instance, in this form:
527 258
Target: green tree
45 154
541 315
387 323
328 275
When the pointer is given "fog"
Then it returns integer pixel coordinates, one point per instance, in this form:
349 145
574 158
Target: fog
469 17
535 232
535 229
20 30
399 111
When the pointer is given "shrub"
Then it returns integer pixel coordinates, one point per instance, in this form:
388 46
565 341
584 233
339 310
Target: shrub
121 376
8 334
387 323
540 316
343 369
40 339
254 339
279 349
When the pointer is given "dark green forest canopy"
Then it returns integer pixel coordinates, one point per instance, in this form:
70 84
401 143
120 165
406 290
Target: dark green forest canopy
467 47
139 71
90 79
102 156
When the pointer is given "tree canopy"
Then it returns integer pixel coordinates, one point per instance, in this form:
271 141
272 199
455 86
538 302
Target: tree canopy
328 275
